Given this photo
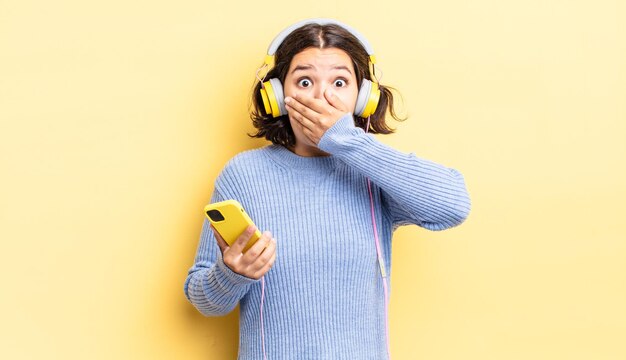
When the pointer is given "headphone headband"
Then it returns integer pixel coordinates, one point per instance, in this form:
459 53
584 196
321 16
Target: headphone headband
322 21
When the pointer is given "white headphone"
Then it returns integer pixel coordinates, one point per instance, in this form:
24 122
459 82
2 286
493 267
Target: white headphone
272 90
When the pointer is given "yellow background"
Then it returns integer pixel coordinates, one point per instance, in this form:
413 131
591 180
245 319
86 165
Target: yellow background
116 117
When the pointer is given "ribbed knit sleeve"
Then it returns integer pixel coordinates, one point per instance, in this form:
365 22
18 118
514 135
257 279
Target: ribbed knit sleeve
414 190
211 286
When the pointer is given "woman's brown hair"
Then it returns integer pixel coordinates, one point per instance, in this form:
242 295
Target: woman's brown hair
278 130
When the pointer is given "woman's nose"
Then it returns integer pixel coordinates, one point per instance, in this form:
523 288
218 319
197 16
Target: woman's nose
318 93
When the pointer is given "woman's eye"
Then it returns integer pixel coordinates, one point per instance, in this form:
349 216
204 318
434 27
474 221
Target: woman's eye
304 83
340 83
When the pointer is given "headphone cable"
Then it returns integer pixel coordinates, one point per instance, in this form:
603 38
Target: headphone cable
381 261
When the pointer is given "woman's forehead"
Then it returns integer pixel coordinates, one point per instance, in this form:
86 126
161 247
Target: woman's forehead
326 58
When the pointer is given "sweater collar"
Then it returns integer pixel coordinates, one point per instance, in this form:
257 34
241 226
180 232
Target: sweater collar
289 160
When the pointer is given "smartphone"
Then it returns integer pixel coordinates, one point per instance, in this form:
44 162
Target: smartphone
230 220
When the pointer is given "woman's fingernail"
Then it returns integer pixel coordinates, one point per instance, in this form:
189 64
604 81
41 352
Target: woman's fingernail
287 100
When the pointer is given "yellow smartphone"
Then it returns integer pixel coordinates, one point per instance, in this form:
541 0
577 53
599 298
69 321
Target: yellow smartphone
230 220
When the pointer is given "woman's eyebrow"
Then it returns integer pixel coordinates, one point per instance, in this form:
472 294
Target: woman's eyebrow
302 67
309 66
342 67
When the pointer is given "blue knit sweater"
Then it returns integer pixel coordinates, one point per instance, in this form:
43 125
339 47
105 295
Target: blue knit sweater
323 296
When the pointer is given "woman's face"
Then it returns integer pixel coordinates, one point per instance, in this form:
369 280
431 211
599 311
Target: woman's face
310 73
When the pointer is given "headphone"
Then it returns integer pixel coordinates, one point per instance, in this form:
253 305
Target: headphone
272 90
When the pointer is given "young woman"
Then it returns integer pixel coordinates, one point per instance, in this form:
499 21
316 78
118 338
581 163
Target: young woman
315 287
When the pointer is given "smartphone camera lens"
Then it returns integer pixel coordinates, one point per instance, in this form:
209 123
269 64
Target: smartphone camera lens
215 215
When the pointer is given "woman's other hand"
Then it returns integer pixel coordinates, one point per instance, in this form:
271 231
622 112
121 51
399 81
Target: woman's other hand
256 261
316 115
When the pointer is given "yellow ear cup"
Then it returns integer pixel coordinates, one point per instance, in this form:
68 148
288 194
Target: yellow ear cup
266 101
372 101
273 98
269 99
